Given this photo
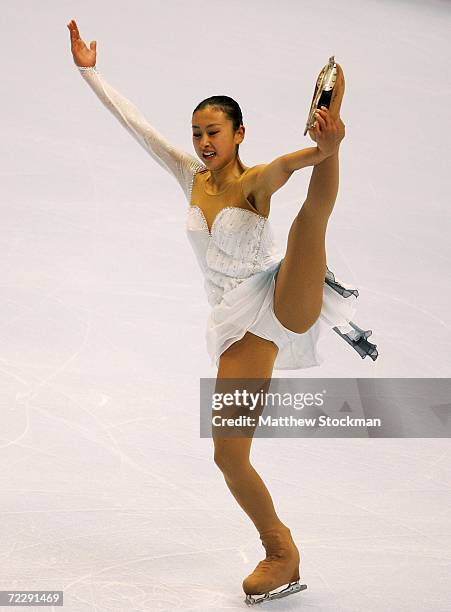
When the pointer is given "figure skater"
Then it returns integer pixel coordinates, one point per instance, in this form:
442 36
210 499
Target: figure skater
268 311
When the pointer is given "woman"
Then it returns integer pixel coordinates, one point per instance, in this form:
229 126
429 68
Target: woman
268 312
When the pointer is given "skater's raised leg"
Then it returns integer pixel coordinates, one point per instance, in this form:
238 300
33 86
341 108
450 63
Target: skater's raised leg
298 294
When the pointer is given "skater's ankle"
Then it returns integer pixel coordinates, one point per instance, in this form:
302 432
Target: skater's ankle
278 525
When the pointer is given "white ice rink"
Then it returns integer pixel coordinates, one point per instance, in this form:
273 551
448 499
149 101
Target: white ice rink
107 492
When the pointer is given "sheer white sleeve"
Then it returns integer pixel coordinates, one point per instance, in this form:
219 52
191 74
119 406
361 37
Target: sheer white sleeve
180 164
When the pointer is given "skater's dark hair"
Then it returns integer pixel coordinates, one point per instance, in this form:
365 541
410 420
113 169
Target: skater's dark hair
227 105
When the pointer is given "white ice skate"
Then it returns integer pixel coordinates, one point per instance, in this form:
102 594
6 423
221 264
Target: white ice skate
323 91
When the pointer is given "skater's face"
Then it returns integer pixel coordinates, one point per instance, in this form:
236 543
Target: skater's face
213 132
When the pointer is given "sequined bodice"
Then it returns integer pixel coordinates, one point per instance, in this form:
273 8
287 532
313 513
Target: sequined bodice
239 245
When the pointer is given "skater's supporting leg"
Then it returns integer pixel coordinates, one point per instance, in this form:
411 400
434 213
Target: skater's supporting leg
251 357
245 484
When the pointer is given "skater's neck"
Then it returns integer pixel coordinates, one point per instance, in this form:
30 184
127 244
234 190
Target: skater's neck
220 178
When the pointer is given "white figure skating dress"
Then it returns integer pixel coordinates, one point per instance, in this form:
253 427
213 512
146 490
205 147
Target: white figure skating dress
237 255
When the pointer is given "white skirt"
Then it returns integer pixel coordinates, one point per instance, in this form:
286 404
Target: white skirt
249 307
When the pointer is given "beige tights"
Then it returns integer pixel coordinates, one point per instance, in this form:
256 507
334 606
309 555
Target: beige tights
253 358
247 487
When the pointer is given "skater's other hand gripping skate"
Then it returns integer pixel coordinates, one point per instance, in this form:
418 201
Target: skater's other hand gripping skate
327 132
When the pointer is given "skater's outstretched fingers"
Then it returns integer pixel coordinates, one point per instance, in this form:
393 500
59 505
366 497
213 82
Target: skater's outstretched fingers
75 28
74 33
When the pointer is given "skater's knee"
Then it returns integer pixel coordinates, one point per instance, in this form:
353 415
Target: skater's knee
300 324
231 465
231 455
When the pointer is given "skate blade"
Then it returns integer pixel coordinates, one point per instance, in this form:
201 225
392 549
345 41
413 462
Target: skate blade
325 82
293 587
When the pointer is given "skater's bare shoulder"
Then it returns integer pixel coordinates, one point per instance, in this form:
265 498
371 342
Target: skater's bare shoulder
258 199
265 179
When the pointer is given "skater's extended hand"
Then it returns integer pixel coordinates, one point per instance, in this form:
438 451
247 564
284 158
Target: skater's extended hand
82 55
328 132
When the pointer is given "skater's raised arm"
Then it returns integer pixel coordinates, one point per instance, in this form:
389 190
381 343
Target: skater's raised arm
268 178
180 164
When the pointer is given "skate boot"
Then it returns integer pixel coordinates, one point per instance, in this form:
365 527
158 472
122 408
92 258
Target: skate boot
329 90
280 567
